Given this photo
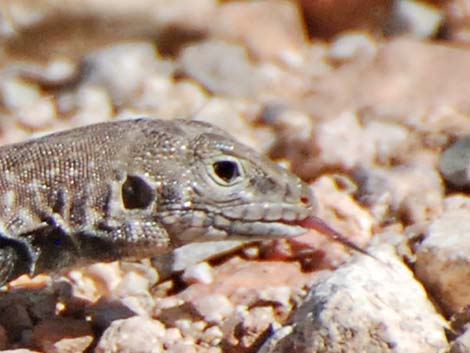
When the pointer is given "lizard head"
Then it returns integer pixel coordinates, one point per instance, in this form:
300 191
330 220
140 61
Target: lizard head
219 188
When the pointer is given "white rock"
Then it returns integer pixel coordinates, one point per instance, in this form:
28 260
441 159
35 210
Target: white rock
199 273
214 307
136 334
353 45
443 260
418 18
133 61
18 94
368 305
191 254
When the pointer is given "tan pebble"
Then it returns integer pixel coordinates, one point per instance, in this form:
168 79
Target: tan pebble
172 335
182 348
17 94
214 307
136 334
39 114
199 273
443 260
213 335
132 284
188 328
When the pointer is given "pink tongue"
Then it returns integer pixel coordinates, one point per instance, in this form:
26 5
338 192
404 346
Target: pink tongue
317 224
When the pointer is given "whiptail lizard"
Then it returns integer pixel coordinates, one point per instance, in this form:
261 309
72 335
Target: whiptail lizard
140 188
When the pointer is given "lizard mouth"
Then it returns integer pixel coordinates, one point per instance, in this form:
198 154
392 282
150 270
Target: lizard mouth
204 225
292 228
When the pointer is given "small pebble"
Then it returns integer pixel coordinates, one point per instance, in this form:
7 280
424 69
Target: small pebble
200 273
214 307
455 163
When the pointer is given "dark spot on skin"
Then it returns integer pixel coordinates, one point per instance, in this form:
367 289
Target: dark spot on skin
136 193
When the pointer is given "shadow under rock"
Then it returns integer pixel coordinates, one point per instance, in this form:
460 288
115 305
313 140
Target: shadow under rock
22 309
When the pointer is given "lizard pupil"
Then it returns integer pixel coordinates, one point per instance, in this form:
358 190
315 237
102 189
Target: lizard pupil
228 171
136 193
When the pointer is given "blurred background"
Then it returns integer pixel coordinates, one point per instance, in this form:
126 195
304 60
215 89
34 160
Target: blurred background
358 97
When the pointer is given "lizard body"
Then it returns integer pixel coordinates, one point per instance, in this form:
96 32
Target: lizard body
134 189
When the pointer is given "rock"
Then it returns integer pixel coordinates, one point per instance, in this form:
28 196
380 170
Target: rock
338 207
457 21
367 305
136 334
344 142
327 18
68 28
192 254
244 329
213 307
199 273
349 142
401 90
93 281
416 18
462 343
271 30
411 192
134 61
454 163
103 313
222 68
443 260
352 46
62 335
226 69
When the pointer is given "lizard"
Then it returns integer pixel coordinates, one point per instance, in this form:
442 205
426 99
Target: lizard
139 188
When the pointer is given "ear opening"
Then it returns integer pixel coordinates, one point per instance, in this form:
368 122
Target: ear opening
136 193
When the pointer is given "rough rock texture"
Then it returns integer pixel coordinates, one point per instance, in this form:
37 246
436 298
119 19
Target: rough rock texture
454 163
443 260
369 305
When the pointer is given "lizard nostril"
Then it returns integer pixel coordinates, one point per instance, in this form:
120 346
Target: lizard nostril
305 200
306 197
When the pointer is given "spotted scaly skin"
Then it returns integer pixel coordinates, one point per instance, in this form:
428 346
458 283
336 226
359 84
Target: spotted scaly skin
134 189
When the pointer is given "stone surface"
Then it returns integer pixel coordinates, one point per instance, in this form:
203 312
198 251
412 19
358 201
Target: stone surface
412 192
417 18
461 344
371 305
443 260
62 336
454 163
398 84
191 254
272 29
136 334
200 273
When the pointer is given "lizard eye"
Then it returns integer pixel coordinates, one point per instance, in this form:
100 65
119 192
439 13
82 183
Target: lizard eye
227 171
